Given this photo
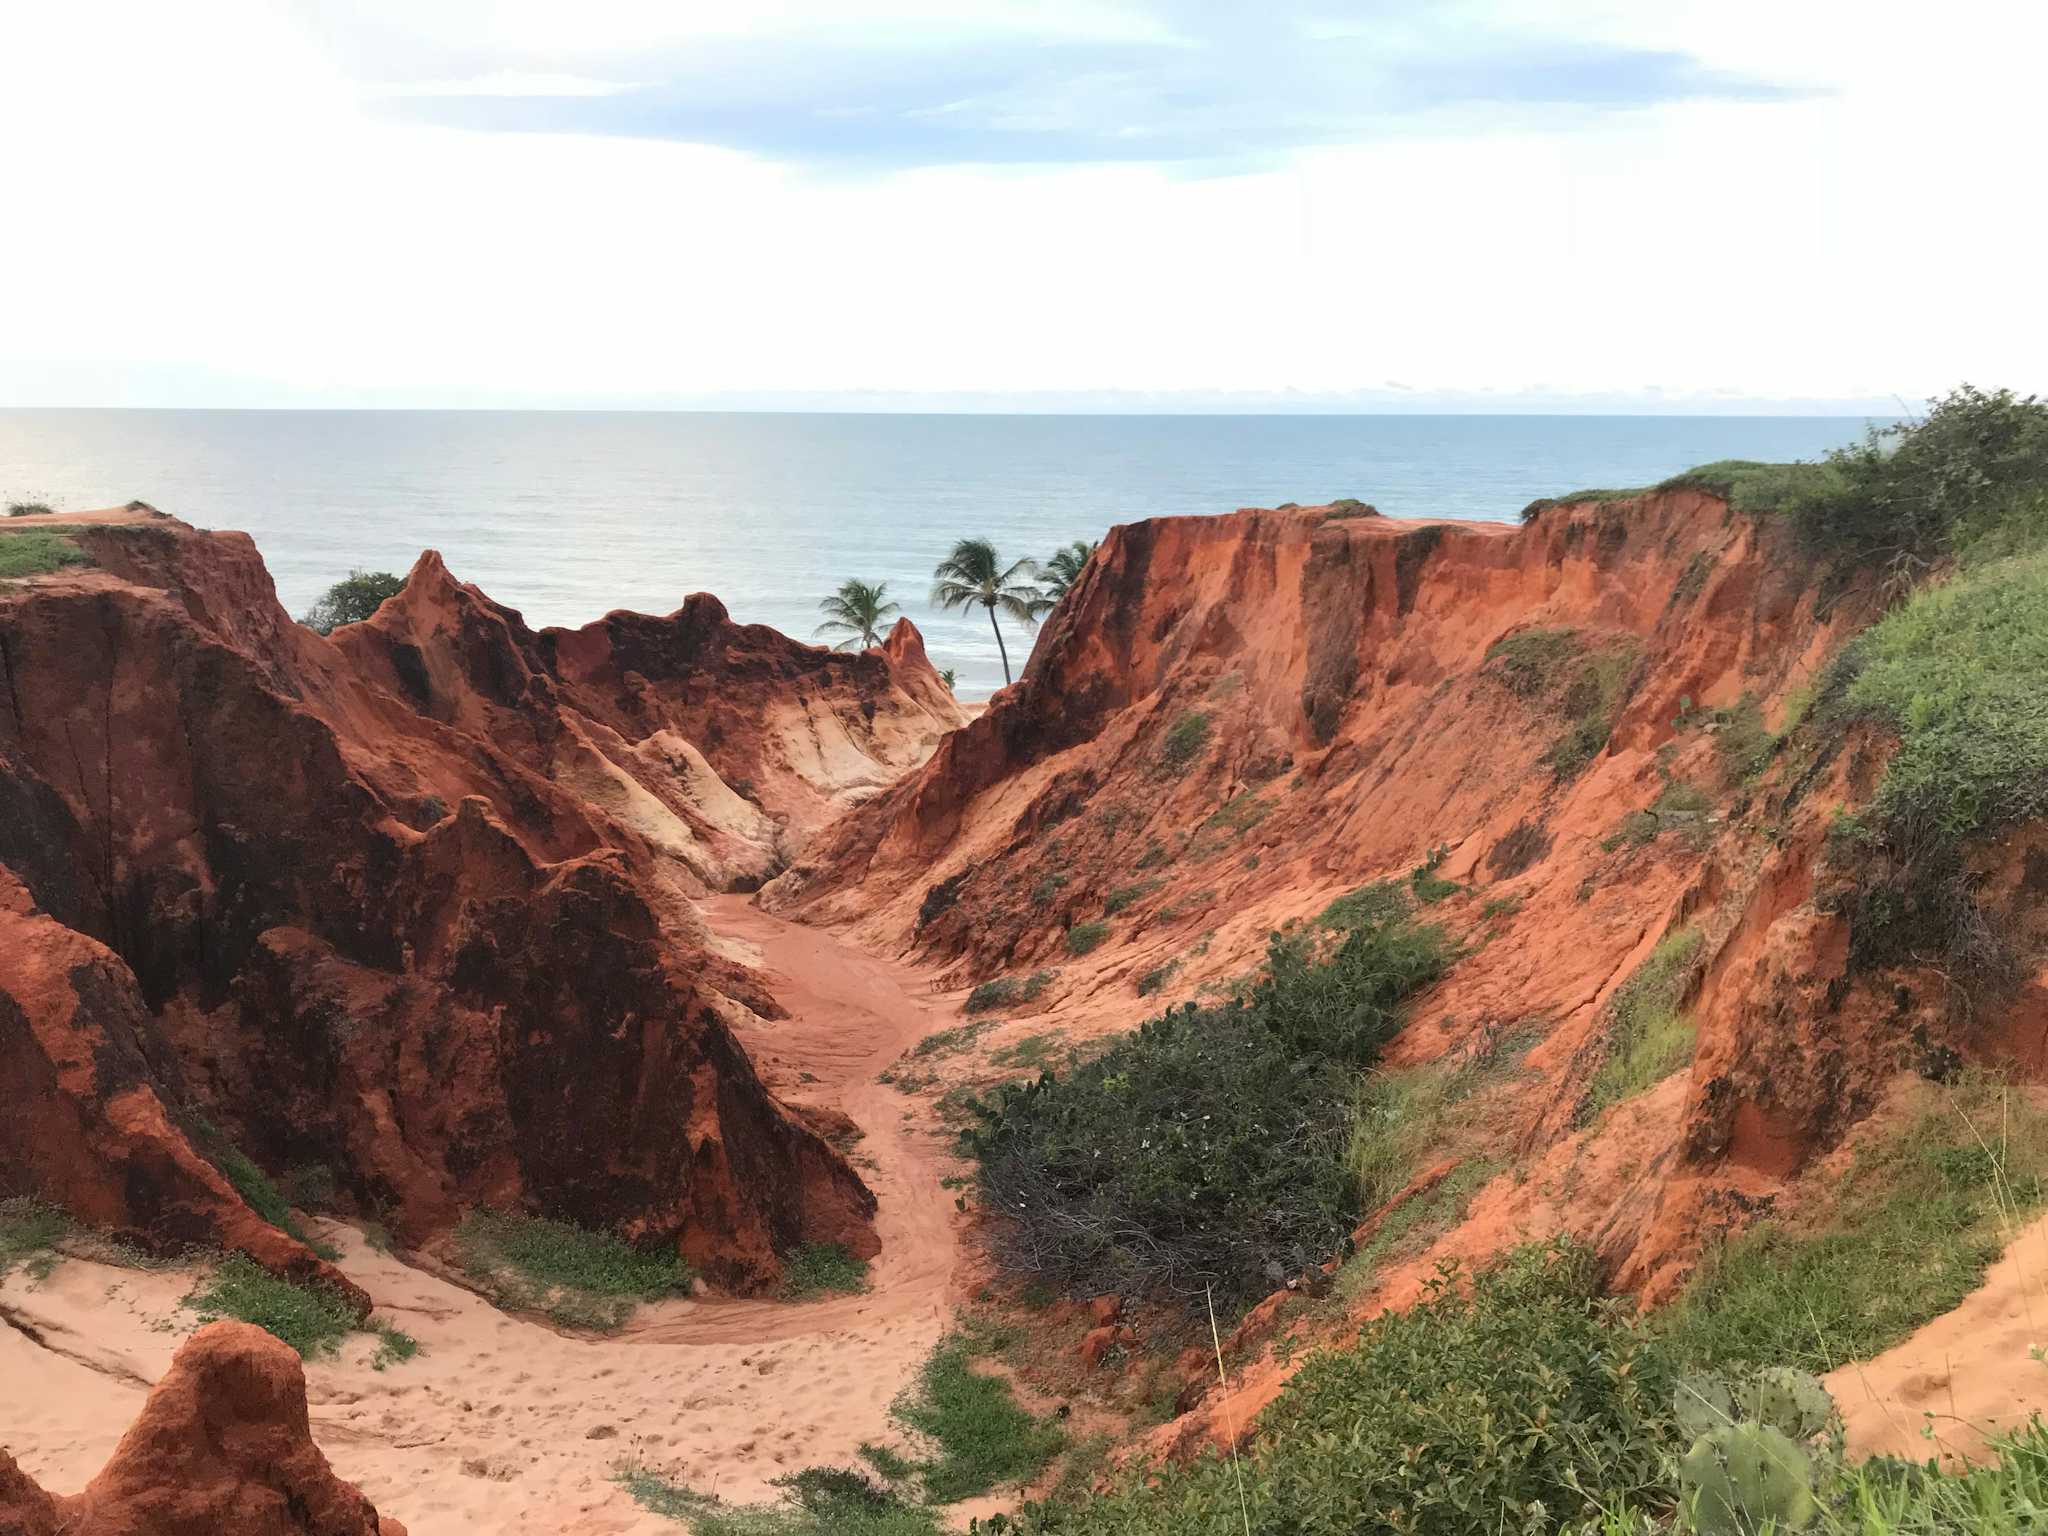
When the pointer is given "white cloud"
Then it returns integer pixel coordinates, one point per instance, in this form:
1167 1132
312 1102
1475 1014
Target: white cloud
204 205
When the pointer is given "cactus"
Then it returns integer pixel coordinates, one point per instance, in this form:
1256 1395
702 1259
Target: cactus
1742 1479
1792 1402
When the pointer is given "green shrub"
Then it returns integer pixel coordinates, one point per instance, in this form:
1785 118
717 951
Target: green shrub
580 1278
1428 886
1907 493
1241 812
1083 937
254 1185
1560 672
29 509
1531 661
1155 980
1033 1051
36 552
1007 992
948 1042
1648 1038
312 1319
819 1269
1124 897
1914 1224
394 1347
352 599
1207 1148
1465 1416
1185 739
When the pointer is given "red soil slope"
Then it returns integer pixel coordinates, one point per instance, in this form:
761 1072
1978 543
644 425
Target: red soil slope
1357 716
411 905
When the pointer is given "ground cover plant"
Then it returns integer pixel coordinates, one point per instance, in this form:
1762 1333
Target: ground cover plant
36 552
580 1278
822 1269
1648 1036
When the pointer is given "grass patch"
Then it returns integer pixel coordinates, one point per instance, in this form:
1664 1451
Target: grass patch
36 551
1648 1038
312 1319
1185 739
1530 662
1083 937
394 1347
1034 1051
1241 812
29 1234
1559 671
579 1278
981 1438
1429 887
1753 487
1910 1229
950 1042
822 1269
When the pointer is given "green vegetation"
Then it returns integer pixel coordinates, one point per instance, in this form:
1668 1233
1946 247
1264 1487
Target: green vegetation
1155 980
1185 739
352 600
1752 487
1973 470
1083 937
29 1234
29 509
1349 506
1058 574
1207 1148
1908 1233
980 1437
394 1347
974 576
252 1183
822 1269
1648 1037
1430 887
1007 992
36 552
1584 684
1034 1051
1241 812
1124 897
857 611
1467 1414
581 1279
312 1319
949 1042
818 1501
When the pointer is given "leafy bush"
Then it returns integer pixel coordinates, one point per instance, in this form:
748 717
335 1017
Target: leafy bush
312 1319
352 599
1083 937
1155 980
818 1269
1124 897
29 509
1521 1403
1903 495
1648 1038
1530 661
1206 1149
1912 1227
580 1278
29 1234
36 552
1185 739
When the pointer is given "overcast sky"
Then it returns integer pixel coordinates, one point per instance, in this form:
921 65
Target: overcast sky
1586 203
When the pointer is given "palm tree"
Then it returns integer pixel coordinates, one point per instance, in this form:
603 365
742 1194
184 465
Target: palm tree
975 574
1062 571
856 611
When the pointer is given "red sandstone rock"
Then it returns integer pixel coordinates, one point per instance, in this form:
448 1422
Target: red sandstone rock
222 1447
1098 1342
412 904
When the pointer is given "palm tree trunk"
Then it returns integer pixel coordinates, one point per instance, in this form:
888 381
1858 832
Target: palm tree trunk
1004 649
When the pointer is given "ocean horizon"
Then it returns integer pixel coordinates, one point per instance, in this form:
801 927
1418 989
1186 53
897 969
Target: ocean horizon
567 515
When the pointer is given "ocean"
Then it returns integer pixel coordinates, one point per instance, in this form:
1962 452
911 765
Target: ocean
567 515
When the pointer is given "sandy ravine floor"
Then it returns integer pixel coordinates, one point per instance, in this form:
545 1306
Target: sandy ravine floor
501 1424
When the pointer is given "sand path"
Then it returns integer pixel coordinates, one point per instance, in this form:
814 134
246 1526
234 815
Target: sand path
503 1425
1968 1374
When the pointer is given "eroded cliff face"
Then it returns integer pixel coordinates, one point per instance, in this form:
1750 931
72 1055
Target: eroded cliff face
1559 736
411 905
